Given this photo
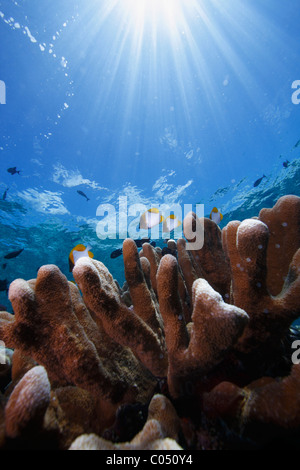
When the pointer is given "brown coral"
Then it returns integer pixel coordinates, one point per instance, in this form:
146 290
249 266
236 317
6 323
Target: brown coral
59 333
159 433
261 410
26 407
210 262
211 323
139 328
270 317
283 221
216 327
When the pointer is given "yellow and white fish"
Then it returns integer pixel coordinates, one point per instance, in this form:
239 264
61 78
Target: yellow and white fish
171 223
151 218
216 215
79 251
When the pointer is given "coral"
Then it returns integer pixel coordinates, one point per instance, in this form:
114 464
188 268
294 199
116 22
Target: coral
140 328
159 433
260 411
26 407
72 411
5 366
210 262
246 245
283 222
204 336
216 327
59 333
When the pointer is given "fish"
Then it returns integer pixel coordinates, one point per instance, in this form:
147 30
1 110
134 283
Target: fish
216 215
13 170
83 195
4 285
168 251
139 243
116 253
257 182
4 265
297 144
286 164
3 308
13 254
171 223
150 218
79 251
4 194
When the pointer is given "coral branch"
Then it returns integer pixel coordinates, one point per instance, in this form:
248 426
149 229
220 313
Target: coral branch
215 329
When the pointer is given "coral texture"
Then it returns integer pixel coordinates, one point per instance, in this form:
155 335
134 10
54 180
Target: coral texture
159 433
216 327
195 349
246 244
27 404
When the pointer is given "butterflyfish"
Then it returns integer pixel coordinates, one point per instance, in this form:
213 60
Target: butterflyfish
79 251
216 215
151 218
171 223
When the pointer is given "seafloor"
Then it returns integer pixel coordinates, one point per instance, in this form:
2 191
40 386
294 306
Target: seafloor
198 350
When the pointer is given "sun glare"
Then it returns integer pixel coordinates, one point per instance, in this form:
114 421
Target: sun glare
166 13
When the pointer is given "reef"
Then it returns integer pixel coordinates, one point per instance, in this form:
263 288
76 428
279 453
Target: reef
196 351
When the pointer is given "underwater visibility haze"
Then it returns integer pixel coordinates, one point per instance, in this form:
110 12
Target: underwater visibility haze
162 102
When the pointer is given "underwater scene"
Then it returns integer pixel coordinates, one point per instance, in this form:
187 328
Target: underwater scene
149 226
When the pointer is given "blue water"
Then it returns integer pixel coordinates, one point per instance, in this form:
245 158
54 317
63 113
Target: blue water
170 101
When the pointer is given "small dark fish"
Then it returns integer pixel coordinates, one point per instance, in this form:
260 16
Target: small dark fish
4 194
13 170
4 285
139 243
286 164
3 308
4 265
297 144
168 251
116 253
13 254
83 195
257 182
